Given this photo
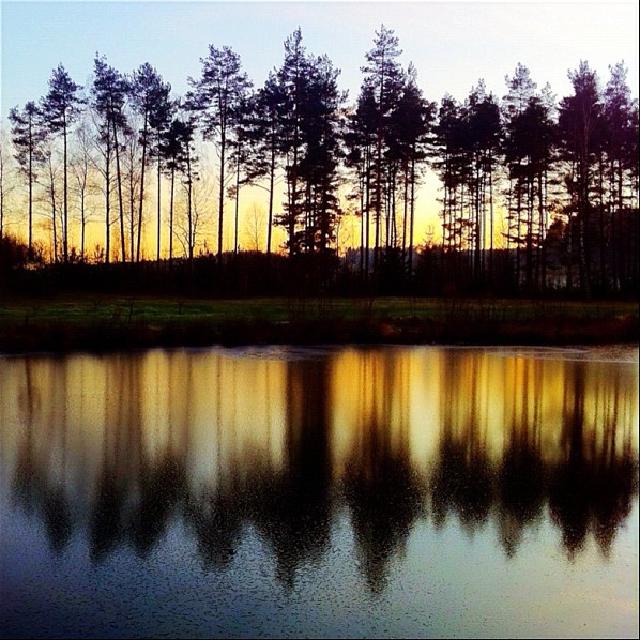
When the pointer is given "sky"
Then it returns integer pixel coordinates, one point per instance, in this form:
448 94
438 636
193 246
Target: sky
452 45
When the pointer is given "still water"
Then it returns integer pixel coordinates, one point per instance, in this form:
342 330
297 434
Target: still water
348 492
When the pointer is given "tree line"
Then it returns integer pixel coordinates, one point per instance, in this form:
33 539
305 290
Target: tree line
545 190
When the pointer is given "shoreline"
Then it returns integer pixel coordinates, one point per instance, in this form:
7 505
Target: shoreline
116 324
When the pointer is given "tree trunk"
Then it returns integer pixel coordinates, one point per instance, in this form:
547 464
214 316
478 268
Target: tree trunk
362 223
367 198
271 181
171 218
490 218
144 159
107 195
159 179
404 216
30 189
82 225
132 208
413 200
120 202
221 198
235 231
189 209
64 190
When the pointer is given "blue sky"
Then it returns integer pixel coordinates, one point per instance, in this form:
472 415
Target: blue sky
452 44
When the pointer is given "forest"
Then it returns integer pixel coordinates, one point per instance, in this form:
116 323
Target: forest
537 195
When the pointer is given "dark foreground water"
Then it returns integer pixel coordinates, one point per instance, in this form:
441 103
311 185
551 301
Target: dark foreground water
351 492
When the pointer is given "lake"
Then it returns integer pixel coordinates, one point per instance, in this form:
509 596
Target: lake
384 491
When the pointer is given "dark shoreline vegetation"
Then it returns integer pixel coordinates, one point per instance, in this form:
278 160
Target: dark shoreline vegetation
103 323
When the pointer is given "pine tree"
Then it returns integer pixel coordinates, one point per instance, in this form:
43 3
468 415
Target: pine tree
292 80
244 134
320 128
27 137
384 75
217 94
359 139
178 155
520 89
60 108
149 97
159 121
265 149
109 93
618 144
580 118
410 129
484 135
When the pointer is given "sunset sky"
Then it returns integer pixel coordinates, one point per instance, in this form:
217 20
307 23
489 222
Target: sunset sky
451 44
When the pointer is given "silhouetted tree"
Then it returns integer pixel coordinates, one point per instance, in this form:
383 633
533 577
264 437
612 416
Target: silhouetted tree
27 137
3 185
580 116
149 97
244 133
384 75
82 163
218 94
60 108
320 128
159 120
179 156
360 141
484 130
449 164
109 93
620 145
264 153
520 89
410 128
292 80
528 146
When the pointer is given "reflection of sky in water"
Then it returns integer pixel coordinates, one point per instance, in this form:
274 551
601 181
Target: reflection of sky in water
387 491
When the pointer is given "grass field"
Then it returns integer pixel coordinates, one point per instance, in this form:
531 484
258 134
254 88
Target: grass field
279 309
121 322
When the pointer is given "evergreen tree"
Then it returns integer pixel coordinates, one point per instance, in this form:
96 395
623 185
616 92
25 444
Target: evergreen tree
520 89
218 94
292 79
27 136
159 120
149 97
60 108
620 145
580 119
244 135
384 75
264 152
176 147
360 137
410 130
109 94
320 128
484 135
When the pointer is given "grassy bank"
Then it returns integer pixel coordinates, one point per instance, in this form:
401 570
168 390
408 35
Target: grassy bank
108 323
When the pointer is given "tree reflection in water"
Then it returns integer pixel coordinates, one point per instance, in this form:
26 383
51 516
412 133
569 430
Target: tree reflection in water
121 448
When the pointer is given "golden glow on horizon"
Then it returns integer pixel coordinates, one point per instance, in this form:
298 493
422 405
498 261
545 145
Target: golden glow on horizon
253 217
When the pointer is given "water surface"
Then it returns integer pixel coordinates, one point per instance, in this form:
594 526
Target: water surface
347 492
